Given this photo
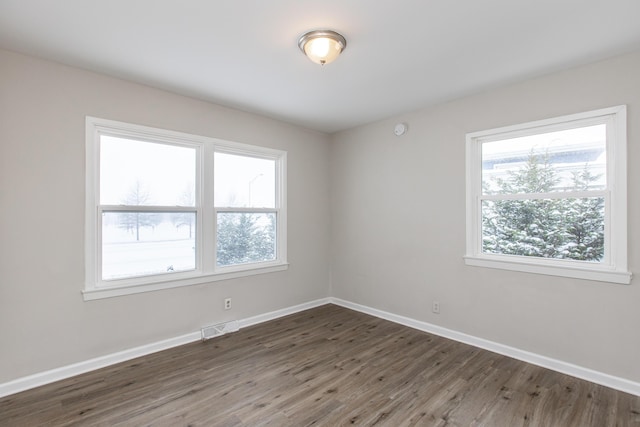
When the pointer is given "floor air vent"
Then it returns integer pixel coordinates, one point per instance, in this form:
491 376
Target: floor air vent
220 329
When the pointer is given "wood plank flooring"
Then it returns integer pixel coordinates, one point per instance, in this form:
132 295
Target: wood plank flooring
328 366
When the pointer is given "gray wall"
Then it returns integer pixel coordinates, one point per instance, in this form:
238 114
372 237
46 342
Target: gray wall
373 219
44 322
398 225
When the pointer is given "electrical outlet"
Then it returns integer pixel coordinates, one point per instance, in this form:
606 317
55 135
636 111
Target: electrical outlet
227 303
435 307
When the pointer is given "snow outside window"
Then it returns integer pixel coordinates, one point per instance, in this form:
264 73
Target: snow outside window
549 197
168 209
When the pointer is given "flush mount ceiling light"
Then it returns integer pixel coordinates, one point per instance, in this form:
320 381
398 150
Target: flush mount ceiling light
322 46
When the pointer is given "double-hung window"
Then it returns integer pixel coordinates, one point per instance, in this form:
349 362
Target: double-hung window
167 209
549 197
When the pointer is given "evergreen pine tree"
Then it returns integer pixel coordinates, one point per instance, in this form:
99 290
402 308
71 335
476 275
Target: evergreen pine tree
134 221
547 228
241 239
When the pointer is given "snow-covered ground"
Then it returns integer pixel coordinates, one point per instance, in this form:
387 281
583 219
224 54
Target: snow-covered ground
161 249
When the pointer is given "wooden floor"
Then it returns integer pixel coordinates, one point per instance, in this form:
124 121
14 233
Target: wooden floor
328 366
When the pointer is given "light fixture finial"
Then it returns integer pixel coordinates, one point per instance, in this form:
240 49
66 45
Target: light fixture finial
322 46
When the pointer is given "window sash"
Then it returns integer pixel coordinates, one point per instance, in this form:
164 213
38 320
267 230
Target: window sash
606 257
106 209
267 211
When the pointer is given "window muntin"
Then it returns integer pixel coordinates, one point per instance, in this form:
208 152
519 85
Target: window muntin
550 194
152 222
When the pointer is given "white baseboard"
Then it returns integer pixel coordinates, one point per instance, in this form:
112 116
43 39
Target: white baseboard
42 378
606 380
47 377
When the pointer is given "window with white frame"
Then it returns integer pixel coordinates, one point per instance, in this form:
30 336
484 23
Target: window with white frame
167 209
549 197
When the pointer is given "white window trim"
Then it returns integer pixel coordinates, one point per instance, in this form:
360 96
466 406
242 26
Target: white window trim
206 270
614 266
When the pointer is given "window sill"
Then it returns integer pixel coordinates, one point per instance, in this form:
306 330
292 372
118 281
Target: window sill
550 268
168 283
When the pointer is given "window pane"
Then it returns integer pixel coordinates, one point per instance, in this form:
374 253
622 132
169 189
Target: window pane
145 243
245 238
546 228
567 160
137 173
244 182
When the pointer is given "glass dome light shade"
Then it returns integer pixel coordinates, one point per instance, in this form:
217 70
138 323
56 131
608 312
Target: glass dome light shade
322 46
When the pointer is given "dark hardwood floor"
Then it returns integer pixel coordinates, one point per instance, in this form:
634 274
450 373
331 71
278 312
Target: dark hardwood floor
328 366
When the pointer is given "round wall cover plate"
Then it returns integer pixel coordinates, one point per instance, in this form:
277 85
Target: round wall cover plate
400 129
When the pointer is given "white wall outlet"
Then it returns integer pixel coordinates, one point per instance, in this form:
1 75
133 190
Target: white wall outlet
435 307
227 303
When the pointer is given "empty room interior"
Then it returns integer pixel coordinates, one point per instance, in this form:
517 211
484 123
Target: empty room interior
292 213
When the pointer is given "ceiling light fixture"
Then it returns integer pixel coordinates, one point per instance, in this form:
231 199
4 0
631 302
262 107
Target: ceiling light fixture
322 46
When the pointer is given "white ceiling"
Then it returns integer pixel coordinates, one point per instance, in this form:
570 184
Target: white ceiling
401 55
